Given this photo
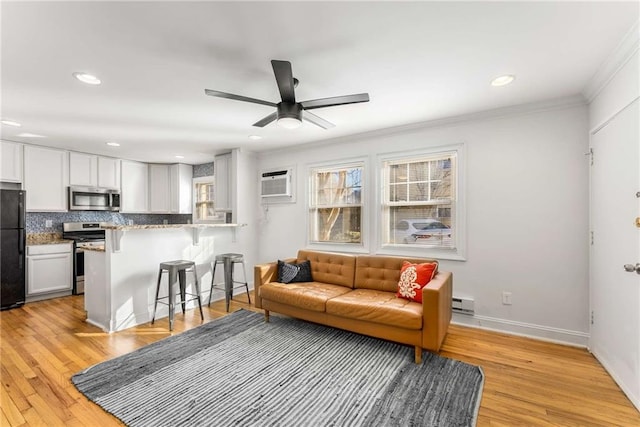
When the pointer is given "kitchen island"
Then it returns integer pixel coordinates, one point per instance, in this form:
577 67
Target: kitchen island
120 281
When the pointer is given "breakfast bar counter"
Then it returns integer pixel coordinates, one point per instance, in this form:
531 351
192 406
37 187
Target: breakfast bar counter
120 281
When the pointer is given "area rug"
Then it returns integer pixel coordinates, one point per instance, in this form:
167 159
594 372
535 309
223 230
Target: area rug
239 370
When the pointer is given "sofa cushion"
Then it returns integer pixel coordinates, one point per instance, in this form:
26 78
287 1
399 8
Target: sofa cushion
293 273
381 273
414 277
377 307
310 296
332 268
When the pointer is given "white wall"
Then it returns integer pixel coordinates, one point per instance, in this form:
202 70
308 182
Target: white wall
527 214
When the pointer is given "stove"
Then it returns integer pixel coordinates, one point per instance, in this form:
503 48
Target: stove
83 234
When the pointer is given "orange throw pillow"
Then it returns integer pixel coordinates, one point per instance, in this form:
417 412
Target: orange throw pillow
414 277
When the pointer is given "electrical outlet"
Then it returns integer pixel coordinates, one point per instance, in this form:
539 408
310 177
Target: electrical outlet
506 298
130 222
165 221
48 223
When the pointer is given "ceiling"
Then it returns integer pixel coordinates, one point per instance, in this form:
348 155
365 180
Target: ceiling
419 61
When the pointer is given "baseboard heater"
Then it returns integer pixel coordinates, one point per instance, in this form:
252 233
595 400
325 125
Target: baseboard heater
462 305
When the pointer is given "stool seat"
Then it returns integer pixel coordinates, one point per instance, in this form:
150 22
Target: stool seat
228 260
177 271
179 264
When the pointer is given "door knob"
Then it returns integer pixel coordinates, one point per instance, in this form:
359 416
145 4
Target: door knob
631 268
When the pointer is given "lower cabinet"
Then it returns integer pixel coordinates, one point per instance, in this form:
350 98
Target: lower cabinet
49 270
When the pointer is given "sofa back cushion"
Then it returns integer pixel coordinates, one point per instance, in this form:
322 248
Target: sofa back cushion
328 267
381 273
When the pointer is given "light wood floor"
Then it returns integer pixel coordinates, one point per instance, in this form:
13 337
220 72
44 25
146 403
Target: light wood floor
527 382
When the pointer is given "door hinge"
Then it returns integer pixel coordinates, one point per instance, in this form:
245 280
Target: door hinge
592 317
590 154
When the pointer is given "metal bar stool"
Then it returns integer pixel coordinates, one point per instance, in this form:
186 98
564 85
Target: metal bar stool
177 270
229 260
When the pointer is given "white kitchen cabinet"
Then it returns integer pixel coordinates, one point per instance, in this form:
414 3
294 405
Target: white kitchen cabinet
222 172
11 155
46 178
83 169
135 187
159 188
109 173
181 188
94 171
49 268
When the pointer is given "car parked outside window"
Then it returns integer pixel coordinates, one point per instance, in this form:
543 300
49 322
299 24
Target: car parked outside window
422 231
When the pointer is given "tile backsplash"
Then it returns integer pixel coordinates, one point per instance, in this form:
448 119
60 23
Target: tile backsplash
37 221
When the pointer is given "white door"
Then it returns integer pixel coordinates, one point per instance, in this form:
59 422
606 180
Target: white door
615 293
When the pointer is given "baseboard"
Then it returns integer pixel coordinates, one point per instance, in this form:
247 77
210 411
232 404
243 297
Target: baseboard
635 400
529 330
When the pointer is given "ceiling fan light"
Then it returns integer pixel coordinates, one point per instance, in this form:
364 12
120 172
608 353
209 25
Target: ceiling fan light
289 122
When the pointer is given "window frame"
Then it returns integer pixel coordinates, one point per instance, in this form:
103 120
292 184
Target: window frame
311 170
217 218
458 250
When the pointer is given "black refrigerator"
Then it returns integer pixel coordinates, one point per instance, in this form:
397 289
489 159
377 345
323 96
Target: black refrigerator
12 251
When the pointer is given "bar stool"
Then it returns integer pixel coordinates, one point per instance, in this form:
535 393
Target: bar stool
229 260
177 270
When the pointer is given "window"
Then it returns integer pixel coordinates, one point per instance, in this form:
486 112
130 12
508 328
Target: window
203 200
335 208
419 201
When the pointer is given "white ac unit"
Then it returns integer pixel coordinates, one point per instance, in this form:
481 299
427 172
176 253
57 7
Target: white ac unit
276 184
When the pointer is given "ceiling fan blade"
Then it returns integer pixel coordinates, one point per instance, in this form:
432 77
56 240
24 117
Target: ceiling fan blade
238 97
316 120
262 123
284 78
336 100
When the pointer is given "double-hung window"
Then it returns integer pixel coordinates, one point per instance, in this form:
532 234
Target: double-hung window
335 204
419 201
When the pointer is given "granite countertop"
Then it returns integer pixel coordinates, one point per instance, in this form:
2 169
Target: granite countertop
45 239
164 226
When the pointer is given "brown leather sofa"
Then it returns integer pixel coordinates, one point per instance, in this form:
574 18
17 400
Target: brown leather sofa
358 293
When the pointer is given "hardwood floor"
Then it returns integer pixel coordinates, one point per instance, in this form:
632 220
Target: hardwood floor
527 382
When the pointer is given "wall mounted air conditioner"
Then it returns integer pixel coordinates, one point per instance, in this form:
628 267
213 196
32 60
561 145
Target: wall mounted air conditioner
276 183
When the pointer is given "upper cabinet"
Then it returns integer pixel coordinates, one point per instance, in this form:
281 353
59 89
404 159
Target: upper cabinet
46 178
222 172
159 189
83 169
94 171
170 188
11 161
135 187
181 190
109 172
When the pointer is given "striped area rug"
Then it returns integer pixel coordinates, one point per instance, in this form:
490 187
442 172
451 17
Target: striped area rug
239 370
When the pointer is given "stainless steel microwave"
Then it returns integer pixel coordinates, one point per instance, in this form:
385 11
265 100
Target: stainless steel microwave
93 199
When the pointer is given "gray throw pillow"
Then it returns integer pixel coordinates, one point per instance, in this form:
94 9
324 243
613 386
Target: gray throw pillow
294 273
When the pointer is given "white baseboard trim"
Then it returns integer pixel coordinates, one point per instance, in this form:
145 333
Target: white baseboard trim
603 359
529 330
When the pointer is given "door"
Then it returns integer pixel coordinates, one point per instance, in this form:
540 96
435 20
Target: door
12 266
615 293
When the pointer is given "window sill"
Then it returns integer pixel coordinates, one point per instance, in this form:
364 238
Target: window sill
422 252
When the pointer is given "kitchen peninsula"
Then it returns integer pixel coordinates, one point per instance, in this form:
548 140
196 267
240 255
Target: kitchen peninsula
120 282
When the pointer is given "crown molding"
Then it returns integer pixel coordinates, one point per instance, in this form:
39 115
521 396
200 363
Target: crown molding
625 50
514 110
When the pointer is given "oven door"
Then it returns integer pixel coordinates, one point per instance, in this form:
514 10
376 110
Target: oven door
79 279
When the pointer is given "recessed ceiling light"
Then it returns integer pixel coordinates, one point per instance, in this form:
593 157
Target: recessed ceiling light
255 137
503 80
179 156
113 144
10 123
87 78
30 135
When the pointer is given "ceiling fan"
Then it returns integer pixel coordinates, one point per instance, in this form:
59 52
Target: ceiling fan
289 113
